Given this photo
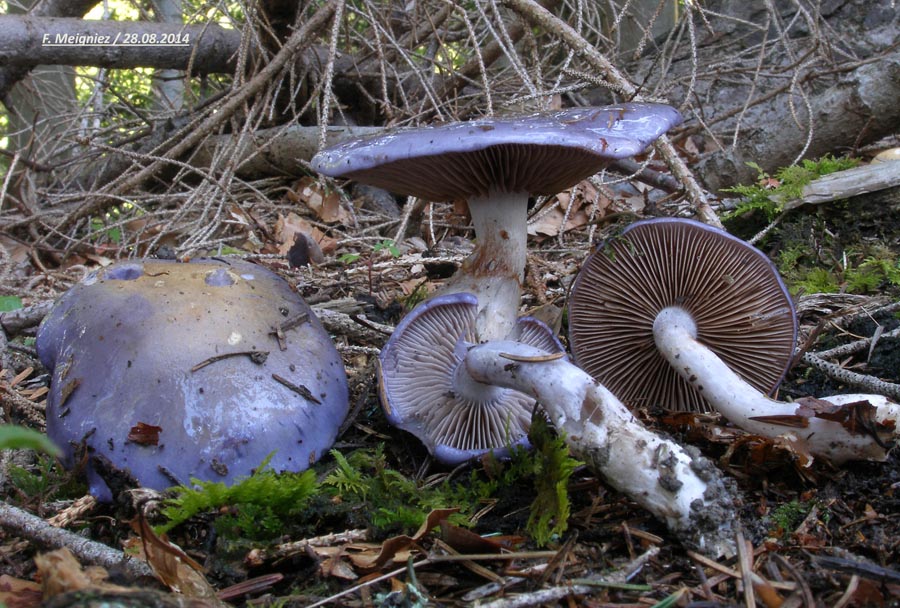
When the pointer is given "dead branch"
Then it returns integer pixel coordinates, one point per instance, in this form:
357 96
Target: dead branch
541 17
21 523
27 41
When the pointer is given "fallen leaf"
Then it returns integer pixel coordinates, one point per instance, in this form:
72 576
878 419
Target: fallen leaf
18 593
466 541
144 434
326 205
291 227
397 548
172 566
60 572
551 223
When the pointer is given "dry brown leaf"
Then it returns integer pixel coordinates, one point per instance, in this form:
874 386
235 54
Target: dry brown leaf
399 548
326 205
172 566
550 224
288 228
337 567
466 541
60 572
19 593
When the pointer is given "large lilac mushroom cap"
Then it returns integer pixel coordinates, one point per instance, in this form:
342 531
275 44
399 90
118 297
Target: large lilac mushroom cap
127 347
732 292
539 154
426 390
496 164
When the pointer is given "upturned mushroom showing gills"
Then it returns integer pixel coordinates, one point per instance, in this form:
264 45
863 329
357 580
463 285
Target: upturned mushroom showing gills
426 391
167 372
459 396
496 164
677 314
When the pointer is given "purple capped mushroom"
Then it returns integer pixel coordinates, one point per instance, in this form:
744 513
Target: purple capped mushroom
169 371
426 390
462 398
679 314
496 164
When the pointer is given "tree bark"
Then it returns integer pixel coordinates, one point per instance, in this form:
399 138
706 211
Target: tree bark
860 108
27 41
9 76
749 66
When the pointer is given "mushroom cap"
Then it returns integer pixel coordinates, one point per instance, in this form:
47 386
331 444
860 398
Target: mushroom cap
540 154
741 307
123 346
418 367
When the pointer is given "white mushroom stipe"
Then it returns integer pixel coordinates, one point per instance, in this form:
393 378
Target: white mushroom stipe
832 439
495 270
673 483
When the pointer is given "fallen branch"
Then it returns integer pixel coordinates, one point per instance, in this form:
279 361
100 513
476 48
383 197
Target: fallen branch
846 184
27 41
540 17
33 528
301 39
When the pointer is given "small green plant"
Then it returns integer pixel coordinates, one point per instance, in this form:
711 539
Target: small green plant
786 517
8 303
385 245
552 468
257 506
348 258
816 280
389 246
872 273
364 490
418 295
44 481
769 193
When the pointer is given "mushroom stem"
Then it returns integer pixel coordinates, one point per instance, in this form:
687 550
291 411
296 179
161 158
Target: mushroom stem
673 483
495 270
816 427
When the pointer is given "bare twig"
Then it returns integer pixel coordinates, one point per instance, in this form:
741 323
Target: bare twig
21 523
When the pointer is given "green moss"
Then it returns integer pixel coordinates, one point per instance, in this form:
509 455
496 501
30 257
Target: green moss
786 517
45 481
361 490
257 506
769 193
553 467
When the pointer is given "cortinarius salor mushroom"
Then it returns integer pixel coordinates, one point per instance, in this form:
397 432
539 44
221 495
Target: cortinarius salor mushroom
173 371
458 396
741 307
425 389
675 313
496 164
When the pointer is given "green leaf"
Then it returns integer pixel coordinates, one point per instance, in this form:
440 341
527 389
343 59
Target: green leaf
21 438
8 303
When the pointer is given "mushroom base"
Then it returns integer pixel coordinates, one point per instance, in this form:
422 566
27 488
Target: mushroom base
837 429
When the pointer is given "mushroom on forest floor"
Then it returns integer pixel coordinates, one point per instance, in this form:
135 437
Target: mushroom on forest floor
432 356
496 164
172 371
678 314
426 391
